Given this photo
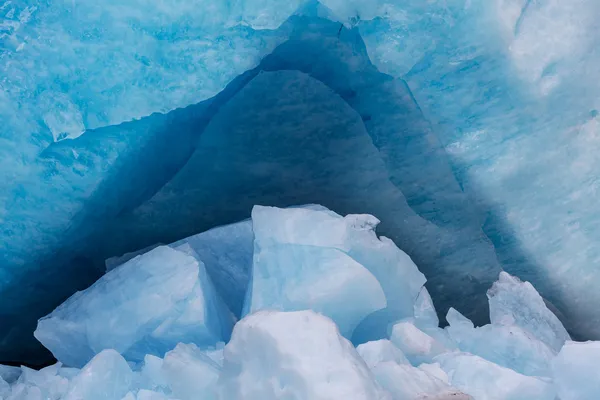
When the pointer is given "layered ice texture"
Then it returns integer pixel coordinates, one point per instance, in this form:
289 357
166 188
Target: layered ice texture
469 127
126 337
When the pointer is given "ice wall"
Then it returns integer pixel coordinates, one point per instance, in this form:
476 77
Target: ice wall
468 127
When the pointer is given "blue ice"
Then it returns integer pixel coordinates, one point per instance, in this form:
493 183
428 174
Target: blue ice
157 328
469 127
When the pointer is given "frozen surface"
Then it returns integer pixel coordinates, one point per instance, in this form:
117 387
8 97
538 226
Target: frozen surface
506 345
513 302
155 328
144 306
190 372
576 371
485 380
389 271
418 346
297 355
314 272
469 127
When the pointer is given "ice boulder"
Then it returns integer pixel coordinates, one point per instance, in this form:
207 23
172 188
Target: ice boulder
293 355
576 373
191 373
418 346
380 351
226 251
48 382
106 377
506 345
485 380
296 277
145 306
322 234
9 374
513 302
403 381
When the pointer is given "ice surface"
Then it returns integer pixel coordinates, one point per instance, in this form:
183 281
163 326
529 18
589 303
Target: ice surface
351 238
312 273
485 380
575 371
145 306
506 345
513 302
405 382
226 252
166 321
190 372
381 351
297 355
107 376
418 346
9 374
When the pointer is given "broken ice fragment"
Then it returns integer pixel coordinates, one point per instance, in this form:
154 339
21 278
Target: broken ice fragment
144 306
576 373
106 377
293 354
513 302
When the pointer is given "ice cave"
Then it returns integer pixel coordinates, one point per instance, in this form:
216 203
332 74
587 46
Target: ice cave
299 200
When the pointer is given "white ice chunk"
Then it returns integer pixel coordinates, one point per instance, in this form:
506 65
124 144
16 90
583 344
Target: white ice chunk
354 235
425 314
508 346
295 277
9 374
151 375
295 355
47 381
226 252
406 382
576 371
191 373
417 346
485 380
106 377
513 302
380 351
145 306
145 394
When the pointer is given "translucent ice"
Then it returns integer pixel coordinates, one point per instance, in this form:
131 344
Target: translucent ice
226 251
576 372
161 303
297 355
191 373
290 275
405 382
513 302
351 238
418 346
147 305
106 377
485 380
381 351
506 345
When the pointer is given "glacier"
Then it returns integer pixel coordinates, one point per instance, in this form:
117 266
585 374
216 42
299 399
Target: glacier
153 344
468 127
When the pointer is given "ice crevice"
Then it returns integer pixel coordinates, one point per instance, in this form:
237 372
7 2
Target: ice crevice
157 129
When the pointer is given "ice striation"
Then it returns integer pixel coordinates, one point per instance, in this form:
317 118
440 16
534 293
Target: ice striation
469 127
129 337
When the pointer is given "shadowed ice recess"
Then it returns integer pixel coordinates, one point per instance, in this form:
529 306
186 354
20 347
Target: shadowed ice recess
468 127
